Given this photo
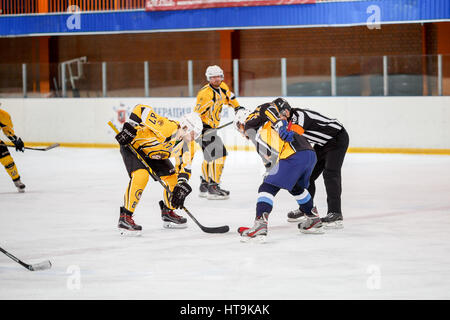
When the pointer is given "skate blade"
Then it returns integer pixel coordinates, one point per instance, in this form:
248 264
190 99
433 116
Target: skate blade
21 190
129 233
256 239
312 230
334 225
215 197
203 194
171 225
301 219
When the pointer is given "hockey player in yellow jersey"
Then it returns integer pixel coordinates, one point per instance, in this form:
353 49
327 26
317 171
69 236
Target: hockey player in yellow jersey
210 101
156 139
5 157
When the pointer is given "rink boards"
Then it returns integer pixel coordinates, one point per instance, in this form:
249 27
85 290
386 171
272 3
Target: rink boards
375 124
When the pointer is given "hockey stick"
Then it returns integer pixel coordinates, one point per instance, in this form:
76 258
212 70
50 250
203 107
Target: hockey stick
32 267
225 125
210 131
221 229
37 149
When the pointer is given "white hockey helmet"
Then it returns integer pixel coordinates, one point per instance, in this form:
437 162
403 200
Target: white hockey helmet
193 123
213 71
240 117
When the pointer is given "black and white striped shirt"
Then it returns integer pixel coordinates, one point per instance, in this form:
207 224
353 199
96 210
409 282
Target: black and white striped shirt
318 128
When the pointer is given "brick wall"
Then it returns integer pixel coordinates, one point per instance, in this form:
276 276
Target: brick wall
321 43
356 49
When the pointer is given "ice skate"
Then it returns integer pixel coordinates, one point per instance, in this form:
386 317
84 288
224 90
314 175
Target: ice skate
333 220
170 219
20 186
216 193
203 188
257 233
298 215
126 224
312 224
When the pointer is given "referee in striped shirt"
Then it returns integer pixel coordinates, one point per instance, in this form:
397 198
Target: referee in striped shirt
330 140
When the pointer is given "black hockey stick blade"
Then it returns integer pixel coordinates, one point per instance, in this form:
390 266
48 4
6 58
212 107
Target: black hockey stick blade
221 229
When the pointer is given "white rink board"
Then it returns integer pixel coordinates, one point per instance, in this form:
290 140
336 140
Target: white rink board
381 122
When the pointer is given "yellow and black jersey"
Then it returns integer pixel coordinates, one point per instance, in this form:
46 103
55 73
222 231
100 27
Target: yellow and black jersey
210 101
6 124
156 138
260 128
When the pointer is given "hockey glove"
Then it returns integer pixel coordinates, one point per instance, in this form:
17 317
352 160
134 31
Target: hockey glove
179 194
127 134
18 143
285 134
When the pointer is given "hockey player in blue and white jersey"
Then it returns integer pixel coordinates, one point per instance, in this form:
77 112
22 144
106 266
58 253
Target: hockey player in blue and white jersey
289 159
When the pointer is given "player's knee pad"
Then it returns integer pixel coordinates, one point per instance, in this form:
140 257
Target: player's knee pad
296 190
3 151
220 161
268 188
140 178
6 160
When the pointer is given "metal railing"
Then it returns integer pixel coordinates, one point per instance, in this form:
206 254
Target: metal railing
303 76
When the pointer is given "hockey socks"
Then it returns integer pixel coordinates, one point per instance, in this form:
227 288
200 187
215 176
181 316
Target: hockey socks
8 162
304 200
205 170
215 169
311 223
136 186
266 194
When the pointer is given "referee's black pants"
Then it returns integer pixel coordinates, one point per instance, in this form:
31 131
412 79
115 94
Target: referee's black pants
330 158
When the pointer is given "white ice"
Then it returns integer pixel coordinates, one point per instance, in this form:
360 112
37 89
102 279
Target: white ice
395 244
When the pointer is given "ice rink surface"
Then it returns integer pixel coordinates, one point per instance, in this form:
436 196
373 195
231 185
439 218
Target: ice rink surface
395 244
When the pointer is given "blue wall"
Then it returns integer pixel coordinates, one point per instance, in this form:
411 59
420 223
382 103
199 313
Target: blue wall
308 15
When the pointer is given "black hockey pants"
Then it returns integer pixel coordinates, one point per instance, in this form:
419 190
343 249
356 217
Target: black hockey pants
330 158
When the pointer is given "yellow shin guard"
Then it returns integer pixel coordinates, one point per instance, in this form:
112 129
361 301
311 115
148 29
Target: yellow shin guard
215 169
10 166
136 186
170 181
205 170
